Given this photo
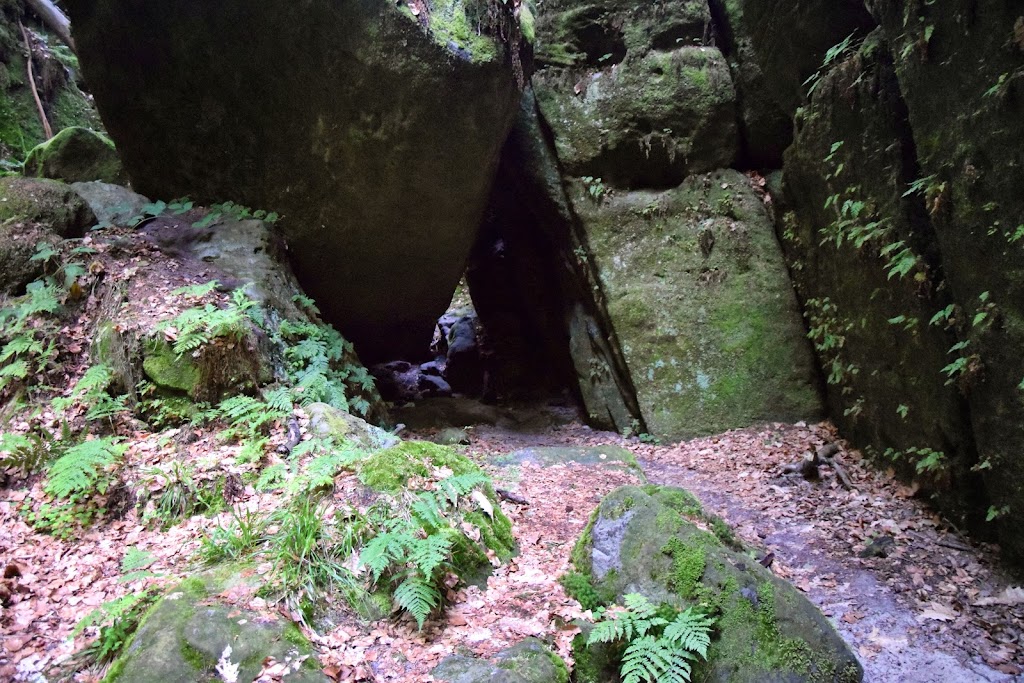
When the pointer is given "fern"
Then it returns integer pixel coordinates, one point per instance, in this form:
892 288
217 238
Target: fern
691 631
272 477
461 484
430 553
198 326
419 597
80 471
384 550
657 651
428 510
654 660
197 291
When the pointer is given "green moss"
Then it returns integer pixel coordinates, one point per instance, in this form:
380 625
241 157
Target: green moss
580 556
668 522
496 533
580 588
196 659
680 500
688 563
723 532
167 370
449 25
390 469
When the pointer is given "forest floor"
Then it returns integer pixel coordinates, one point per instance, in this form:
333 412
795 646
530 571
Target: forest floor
934 608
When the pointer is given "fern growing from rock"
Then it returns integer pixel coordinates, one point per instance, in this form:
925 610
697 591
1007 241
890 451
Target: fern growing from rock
656 650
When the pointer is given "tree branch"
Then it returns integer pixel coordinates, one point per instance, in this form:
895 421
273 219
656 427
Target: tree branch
54 19
32 83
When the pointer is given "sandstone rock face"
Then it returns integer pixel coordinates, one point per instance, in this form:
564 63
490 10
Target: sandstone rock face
905 219
773 48
700 299
374 133
634 93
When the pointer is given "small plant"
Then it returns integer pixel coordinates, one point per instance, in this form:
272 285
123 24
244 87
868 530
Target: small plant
995 513
116 620
198 326
75 478
414 554
236 211
656 650
91 391
241 537
595 188
832 55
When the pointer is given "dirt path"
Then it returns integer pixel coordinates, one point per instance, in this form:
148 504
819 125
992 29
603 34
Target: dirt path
915 615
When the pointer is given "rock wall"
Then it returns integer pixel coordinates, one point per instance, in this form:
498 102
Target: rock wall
374 132
904 239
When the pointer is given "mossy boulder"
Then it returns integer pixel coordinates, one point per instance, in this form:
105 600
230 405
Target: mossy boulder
648 121
380 172
596 33
187 632
46 202
773 49
73 155
959 72
700 298
645 540
393 469
327 421
18 244
528 661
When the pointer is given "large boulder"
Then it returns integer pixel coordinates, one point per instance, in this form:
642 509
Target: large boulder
189 633
528 661
638 97
773 49
35 213
699 296
374 132
74 155
959 71
648 541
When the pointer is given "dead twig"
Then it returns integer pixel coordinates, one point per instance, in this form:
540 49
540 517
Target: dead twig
32 83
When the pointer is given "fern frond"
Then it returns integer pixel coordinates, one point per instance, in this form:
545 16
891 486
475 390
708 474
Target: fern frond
19 345
431 552
95 380
272 477
279 399
418 597
197 291
385 549
639 605
461 484
81 466
651 660
690 631
427 510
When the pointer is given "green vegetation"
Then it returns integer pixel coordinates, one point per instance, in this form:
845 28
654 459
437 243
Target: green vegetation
656 649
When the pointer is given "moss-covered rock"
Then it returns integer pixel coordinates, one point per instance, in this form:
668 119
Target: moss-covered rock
47 202
773 48
55 68
959 72
639 542
645 122
187 632
702 304
18 244
327 421
163 367
528 661
73 155
393 469
396 145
